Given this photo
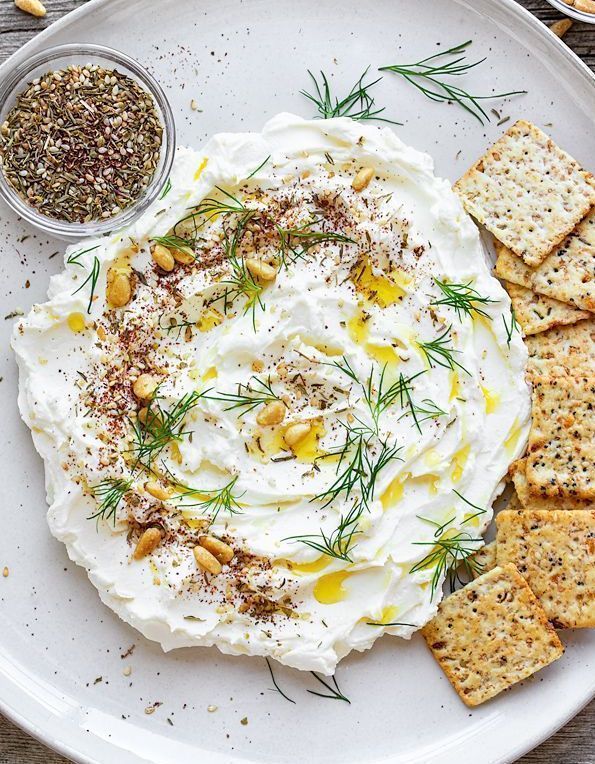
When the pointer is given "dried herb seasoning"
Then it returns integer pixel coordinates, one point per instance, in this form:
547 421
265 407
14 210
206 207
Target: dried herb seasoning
81 144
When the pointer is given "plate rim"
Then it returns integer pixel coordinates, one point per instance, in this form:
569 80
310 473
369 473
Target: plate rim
76 754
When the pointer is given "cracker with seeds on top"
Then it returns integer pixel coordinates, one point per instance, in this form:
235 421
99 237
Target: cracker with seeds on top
483 560
567 273
527 192
527 500
536 313
490 635
561 448
555 553
572 347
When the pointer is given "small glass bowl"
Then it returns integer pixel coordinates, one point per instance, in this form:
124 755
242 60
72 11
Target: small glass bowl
59 57
569 10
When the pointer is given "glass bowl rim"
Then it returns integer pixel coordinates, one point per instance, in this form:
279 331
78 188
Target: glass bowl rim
9 88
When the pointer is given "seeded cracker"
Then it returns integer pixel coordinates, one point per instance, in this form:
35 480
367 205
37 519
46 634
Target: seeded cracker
536 313
484 559
490 635
561 449
555 554
567 274
528 192
570 346
527 500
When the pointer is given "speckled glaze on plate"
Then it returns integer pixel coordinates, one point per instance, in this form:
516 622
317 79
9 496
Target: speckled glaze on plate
61 671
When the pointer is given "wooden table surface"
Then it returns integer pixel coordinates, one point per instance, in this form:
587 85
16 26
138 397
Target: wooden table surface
575 743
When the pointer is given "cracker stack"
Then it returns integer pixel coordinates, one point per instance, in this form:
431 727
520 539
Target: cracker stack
540 572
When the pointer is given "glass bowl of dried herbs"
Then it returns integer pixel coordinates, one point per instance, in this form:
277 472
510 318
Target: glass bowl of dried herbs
87 140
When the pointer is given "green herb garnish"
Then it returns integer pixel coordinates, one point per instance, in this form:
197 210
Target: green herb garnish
279 690
93 276
161 426
463 298
512 327
166 190
111 492
428 76
335 692
438 352
256 392
357 104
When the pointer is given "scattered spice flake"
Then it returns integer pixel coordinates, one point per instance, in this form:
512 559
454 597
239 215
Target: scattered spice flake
244 721
15 314
503 121
98 680
151 709
128 652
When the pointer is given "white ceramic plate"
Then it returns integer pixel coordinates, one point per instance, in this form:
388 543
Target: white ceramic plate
244 61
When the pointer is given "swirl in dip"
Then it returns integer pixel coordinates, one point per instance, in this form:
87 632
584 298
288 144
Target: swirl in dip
268 365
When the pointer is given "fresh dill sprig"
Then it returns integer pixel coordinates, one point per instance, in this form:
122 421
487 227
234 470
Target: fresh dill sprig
391 623
160 426
448 553
479 510
179 325
512 327
335 692
212 500
438 352
210 208
166 190
357 104
93 276
111 492
254 393
279 690
260 166
463 298
428 76
240 283
356 468
176 242
295 243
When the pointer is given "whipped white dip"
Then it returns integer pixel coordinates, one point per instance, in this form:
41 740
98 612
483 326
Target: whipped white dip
333 320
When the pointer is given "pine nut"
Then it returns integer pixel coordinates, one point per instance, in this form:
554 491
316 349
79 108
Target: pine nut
362 179
185 255
163 258
260 270
147 543
560 27
158 491
219 549
295 433
272 413
145 386
34 7
206 560
119 289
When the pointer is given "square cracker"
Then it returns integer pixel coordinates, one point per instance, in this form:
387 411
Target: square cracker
484 559
527 500
527 191
490 635
572 347
555 553
561 448
537 313
567 273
